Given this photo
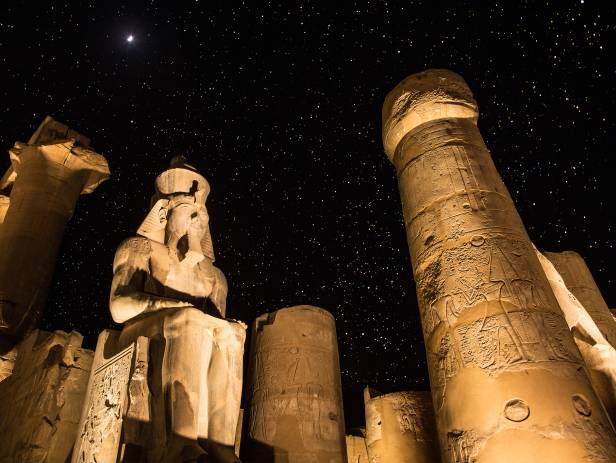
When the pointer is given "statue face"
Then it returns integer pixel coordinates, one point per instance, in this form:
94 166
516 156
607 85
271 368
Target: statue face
185 219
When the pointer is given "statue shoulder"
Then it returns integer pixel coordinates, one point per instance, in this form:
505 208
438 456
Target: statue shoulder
136 244
135 249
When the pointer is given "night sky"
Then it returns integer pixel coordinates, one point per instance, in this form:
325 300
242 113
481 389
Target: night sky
279 107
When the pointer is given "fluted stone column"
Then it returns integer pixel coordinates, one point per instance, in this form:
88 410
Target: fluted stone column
400 427
294 389
507 380
578 279
47 176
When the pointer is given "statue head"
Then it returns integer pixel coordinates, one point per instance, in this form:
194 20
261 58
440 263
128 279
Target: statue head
178 216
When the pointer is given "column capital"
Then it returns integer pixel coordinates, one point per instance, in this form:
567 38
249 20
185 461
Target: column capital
423 97
59 144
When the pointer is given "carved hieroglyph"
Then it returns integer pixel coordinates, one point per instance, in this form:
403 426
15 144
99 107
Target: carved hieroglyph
42 399
400 427
356 449
503 365
597 352
45 179
106 403
295 395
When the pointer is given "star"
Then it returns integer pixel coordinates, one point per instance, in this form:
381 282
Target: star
130 38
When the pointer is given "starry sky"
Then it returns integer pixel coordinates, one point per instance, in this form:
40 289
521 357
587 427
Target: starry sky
278 105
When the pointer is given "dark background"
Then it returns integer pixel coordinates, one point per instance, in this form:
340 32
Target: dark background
279 106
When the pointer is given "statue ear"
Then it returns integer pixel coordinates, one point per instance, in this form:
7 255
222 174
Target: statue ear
153 227
162 215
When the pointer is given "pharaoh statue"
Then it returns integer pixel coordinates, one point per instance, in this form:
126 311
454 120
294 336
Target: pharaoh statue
166 288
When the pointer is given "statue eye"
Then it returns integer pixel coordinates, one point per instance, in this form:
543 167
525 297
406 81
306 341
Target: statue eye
193 215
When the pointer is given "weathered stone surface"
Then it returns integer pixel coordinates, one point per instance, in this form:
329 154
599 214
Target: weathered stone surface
4 205
598 353
400 427
294 390
7 363
46 177
356 449
503 365
42 399
578 279
110 394
184 388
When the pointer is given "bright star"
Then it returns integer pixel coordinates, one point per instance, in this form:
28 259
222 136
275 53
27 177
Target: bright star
130 38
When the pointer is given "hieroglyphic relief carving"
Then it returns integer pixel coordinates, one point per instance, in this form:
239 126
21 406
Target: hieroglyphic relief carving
491 322
488 344
296 400
289 381
461 200
463 446
400 427
413 415
483 269
100 432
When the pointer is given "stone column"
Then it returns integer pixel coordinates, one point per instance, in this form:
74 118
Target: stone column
294 389
356 449
507 380
48 175
580 282
400 427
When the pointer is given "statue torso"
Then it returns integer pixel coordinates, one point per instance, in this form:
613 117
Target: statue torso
171 278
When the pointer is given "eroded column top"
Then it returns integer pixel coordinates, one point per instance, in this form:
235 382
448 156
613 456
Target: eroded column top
422 97
63 145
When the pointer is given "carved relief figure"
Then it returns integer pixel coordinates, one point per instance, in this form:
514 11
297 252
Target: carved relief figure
100 433
296 400
165 287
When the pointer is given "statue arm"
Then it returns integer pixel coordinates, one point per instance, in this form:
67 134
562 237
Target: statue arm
130 269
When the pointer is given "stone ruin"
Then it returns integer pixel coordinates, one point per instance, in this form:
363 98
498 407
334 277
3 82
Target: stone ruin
520 344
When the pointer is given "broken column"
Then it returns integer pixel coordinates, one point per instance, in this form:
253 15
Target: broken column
294 391
400 427
503 365
45 179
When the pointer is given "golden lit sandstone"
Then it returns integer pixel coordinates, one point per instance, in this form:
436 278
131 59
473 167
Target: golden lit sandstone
356 449
45 179
4 206
168 387
400 427
589 319
578 279
507 379
42 399
295 394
